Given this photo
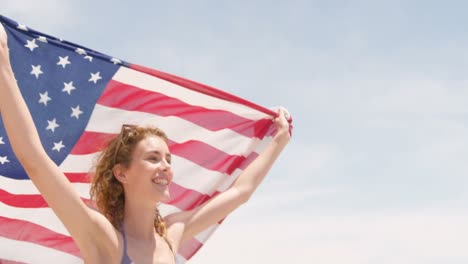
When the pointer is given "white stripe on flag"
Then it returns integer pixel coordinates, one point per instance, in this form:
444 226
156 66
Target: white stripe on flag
79 163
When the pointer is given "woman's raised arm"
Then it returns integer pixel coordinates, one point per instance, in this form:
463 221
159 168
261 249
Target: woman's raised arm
44 173
220 206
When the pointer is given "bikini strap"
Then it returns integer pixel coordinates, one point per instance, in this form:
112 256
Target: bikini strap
125 258
124 237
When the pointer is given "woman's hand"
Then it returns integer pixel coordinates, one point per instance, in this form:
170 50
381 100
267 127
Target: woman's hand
282 126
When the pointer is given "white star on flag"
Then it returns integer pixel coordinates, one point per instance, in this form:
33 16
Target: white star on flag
1 141
52 125
31 44
87 57
80 51
22 27
76 112
95 77
58 146
68 87
4 159
36 71
42 39
116 61
63 61
44 98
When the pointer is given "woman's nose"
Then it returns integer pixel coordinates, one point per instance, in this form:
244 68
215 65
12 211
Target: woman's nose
165 165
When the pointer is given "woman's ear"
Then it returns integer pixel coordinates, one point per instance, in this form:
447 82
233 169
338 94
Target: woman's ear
119 173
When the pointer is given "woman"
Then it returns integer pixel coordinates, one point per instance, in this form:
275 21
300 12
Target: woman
131 178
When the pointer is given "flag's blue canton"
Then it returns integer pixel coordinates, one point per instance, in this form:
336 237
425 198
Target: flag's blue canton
60 83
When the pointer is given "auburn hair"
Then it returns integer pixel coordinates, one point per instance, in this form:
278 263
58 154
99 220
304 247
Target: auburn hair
106 191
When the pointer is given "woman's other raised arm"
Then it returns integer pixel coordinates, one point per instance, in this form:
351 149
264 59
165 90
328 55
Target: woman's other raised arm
194 221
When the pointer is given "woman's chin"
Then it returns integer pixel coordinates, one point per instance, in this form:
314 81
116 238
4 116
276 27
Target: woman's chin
163 193
165 196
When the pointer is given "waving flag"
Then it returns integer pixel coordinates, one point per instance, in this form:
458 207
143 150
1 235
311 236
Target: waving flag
79 98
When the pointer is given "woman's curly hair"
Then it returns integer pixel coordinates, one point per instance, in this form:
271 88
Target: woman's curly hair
106 191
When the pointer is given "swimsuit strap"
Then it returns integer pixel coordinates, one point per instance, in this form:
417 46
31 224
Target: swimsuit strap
125 258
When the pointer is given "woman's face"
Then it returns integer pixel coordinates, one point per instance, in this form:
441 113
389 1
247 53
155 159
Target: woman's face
150 173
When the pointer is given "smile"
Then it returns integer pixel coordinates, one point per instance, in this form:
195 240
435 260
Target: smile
160 181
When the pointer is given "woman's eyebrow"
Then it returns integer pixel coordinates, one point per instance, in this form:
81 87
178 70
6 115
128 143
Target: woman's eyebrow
152 152
168 155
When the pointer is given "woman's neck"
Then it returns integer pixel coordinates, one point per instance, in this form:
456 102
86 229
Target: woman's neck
139 220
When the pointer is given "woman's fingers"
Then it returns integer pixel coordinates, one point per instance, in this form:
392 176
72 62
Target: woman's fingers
285 112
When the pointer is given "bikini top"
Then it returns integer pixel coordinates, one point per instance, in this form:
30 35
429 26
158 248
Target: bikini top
126 258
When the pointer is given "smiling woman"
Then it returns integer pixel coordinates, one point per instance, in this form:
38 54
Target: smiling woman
151 151
131 179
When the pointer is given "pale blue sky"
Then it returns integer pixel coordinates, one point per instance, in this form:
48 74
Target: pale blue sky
376 170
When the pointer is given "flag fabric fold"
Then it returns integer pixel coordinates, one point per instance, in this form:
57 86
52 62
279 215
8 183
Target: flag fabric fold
79 98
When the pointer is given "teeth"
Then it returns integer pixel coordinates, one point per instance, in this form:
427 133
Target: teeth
161 181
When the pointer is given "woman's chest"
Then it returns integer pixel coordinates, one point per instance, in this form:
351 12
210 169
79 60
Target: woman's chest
160 253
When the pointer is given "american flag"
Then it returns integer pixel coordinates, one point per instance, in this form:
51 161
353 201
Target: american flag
79 98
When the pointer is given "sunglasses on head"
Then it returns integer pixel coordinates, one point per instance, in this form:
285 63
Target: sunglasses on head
123 136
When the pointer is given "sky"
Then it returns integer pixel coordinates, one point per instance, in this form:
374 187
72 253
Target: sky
376 171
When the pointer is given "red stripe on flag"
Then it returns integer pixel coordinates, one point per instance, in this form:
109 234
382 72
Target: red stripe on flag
91 142
78 177
22 200
210 157
124 96
37 234
186 199
26 200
